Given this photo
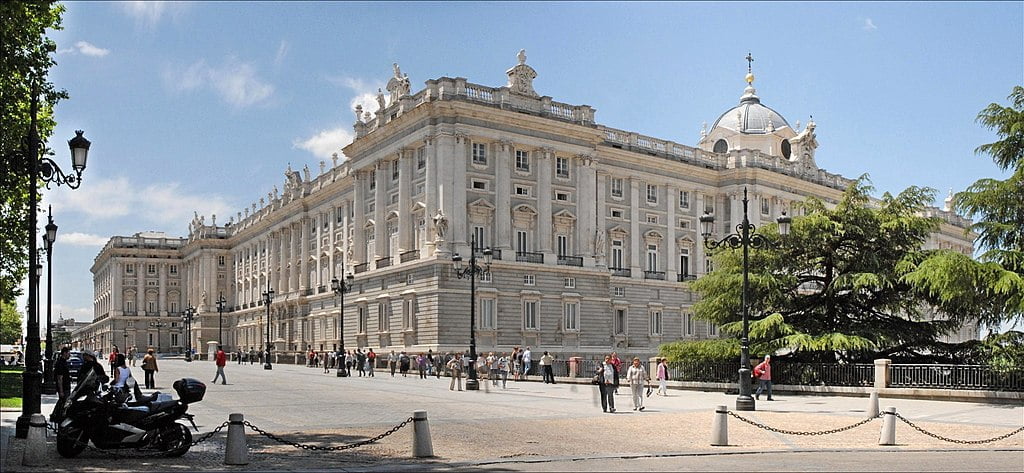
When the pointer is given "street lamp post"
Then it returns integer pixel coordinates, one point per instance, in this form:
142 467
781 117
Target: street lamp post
157 326
40 168
186 318
745 238
268 297
49 386
472 272
125 342
340 287
221 303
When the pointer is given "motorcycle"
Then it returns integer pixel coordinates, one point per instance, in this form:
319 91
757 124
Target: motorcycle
148 423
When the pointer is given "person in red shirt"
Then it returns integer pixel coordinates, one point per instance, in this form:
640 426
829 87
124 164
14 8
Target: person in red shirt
763 374
221 359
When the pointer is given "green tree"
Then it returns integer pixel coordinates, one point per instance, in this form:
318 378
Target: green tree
992 289
10 323
835 289
26 61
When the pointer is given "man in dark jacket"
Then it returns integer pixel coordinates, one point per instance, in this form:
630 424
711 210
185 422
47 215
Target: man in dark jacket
89 363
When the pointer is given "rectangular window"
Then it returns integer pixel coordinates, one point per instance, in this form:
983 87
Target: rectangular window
617 247
709 266
480 153
684 261
478 236
530 315
487 317
174 307
174 269
684 224
651 218
529 280
652 193
522 243
562 167
684 199
409 314
571 313
129 268
616 187
562 196
220 261
616 213
361 319
652 257
151 306
522 190
394 170
765 207
151 268
373 179
563 245
712 330
619 291
709 204
620 321
479 185
421 157
174 340
522 161
655 322
688 325
485 276
570 283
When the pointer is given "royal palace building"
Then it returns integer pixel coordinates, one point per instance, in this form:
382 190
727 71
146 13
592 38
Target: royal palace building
594 232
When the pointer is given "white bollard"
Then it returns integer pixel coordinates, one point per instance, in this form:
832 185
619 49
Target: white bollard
888 435
873 404
720 427
421 445
236 452
35 444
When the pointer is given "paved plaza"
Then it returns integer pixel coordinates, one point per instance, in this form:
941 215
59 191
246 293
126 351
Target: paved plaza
535 426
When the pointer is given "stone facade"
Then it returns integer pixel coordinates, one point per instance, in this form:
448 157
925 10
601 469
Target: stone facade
595 230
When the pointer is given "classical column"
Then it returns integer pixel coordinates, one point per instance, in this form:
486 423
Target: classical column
635 238
295 254
117 289
671 245
544 224
600 214
140 288
459 216
405 221
359 218
503 198
380 206
735 210
303 252
698 249
445 178
161 269
586 205
332 244
430 194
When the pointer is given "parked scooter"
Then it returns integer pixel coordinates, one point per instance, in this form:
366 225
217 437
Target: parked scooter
148 423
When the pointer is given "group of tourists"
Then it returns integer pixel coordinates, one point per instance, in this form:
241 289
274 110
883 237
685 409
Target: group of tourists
606 377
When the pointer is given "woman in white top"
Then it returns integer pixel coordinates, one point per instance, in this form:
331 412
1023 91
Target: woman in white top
121 376
504 368
636 376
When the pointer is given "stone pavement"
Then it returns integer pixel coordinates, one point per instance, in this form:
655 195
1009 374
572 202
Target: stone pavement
535 426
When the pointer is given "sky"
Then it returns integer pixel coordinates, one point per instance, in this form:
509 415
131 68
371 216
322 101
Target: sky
200 107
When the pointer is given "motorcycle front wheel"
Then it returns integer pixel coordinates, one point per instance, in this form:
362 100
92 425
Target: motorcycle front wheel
71 440
176 439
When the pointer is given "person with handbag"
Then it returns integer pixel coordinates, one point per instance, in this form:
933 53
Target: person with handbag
636 376
455 367
763 374
605 380
662 377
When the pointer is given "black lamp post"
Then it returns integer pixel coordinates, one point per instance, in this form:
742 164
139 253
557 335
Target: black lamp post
49 386
340 287
157 326
40 168
268 297
221 303
125 341
745 238
186 318
472 272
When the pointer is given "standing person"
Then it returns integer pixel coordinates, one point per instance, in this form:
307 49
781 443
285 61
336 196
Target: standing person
527 359
371 360
618 369
662 376
392 362
62 376
132 353
121 376
492 368
113 359
421 365
252 355
430 362
328 361
403 364
149 368
763 373
361 362
545 363
503 368
606 384
517 363
455 366
239 354
222 359
636 376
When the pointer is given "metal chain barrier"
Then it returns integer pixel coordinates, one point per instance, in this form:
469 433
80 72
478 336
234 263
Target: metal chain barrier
326 449
137 453
965 442
795 432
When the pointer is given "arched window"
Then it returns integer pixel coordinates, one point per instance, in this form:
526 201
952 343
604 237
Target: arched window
787 150
721 146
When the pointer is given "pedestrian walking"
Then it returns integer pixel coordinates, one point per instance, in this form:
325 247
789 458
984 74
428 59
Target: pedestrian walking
392 362
546 362
133 352
503 367
371 361
527 360
605 378
492 368
421 365
455 367
637 376
252 355
618 369
113 359
403 364
662 377
62 377
222 359
361 362
517 362
149 367
763 373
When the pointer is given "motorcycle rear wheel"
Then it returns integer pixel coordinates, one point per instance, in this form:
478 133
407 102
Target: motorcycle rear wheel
71 440
176 440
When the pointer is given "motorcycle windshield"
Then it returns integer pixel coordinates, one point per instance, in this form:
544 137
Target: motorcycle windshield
90 383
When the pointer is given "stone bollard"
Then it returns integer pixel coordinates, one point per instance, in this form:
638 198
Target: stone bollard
35 444
872 409
888 435
720 427
236 452
421 445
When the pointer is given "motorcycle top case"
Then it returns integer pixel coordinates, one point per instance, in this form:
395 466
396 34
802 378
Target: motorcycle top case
189 390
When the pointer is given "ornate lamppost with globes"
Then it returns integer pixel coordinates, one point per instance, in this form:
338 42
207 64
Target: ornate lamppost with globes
268 297
221 304
40 167
472 271
745 238
158 326
49 386
186 319
340 287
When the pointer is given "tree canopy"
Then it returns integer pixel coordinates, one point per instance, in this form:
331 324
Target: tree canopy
26 61
10 323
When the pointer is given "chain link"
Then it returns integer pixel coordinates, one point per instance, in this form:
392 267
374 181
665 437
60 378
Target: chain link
209 434
795 432
326 449
951 440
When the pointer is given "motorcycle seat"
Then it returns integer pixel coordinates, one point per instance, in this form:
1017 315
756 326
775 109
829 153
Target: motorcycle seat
162 405
130 414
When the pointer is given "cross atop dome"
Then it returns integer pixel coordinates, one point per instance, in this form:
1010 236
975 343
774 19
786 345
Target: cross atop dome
750 73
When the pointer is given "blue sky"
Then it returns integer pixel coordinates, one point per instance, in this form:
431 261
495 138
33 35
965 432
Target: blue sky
201 106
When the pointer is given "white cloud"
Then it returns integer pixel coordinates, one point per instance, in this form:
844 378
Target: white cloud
149 13
365 92
80 314
163 204
236 82
326 142
282 52
81 239
869 25
89 49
